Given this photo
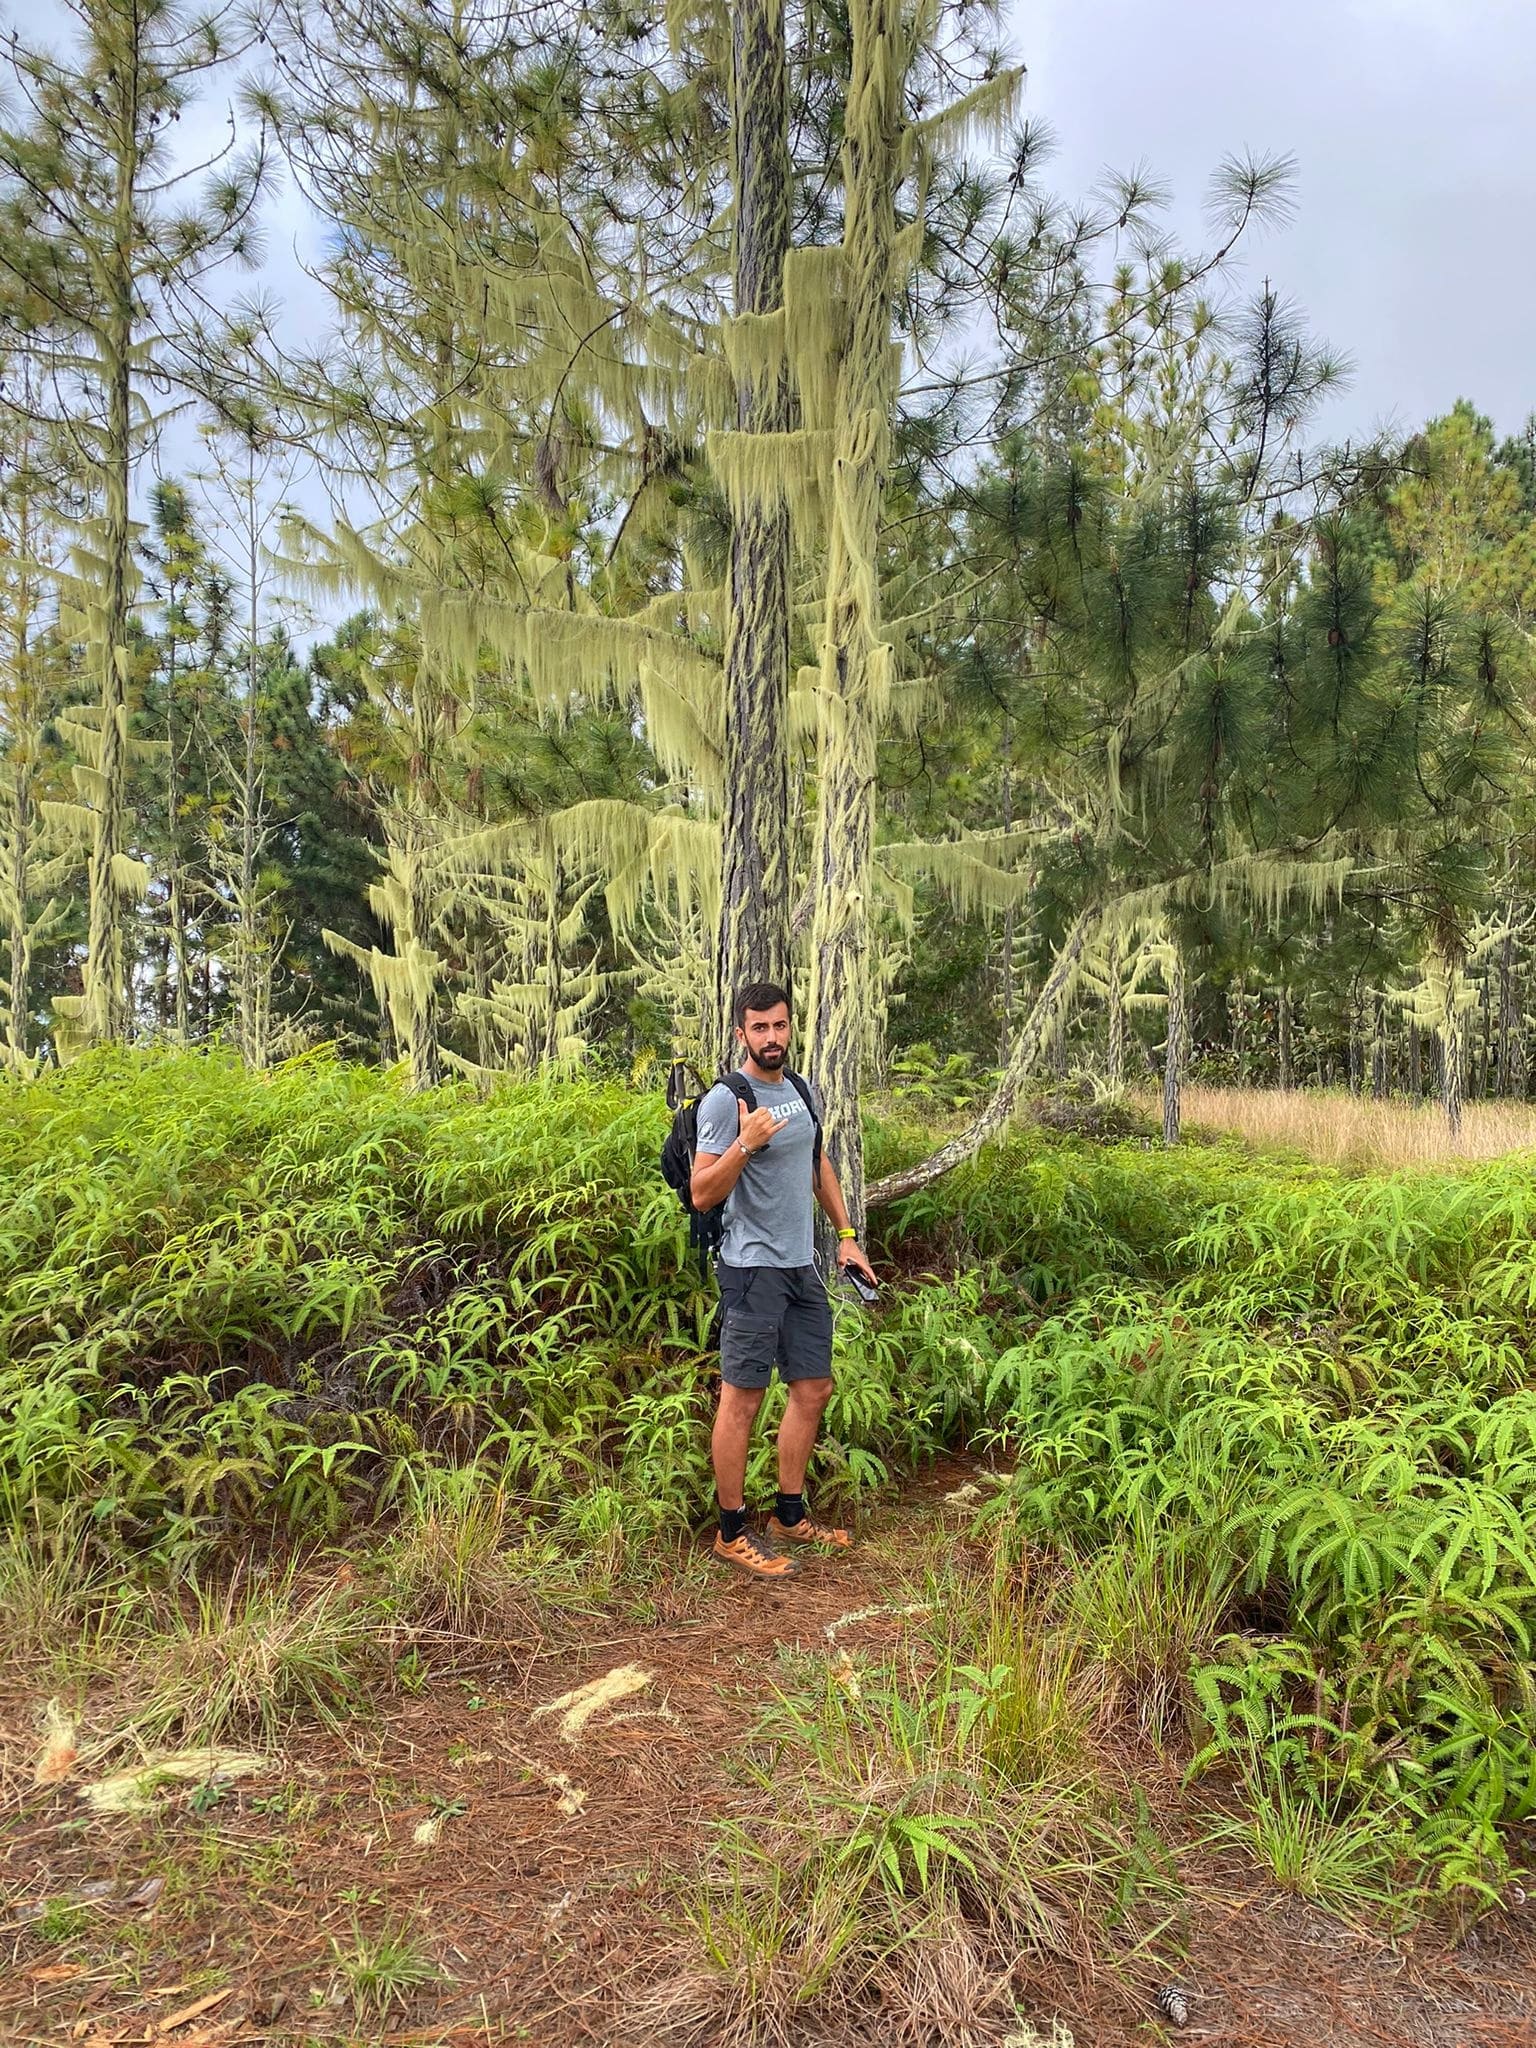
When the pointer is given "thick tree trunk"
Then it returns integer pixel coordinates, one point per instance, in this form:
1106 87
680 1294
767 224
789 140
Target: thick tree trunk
1173 1051
754 939
855 665
1023 1060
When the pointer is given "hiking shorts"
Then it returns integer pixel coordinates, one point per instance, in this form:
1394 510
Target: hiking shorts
773 1316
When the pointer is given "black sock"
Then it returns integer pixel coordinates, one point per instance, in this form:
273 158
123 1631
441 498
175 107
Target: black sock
733 1522
791 1509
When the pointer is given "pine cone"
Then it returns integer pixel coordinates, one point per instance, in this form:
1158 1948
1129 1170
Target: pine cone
1173 2004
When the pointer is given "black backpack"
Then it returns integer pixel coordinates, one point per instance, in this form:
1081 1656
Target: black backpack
707 1226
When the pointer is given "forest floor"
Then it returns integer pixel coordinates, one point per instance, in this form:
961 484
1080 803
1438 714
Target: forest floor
539 1875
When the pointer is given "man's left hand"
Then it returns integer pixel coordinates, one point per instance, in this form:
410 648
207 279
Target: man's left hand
850 1253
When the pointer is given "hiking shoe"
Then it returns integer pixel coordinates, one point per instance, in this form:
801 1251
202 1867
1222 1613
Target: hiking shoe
808 1530
749 1553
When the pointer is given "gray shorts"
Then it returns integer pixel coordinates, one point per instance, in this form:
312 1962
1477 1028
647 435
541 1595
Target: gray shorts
773 1316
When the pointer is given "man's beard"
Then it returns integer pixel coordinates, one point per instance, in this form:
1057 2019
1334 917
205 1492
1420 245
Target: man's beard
771 1056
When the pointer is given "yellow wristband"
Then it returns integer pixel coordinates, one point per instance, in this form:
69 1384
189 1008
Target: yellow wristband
847 1233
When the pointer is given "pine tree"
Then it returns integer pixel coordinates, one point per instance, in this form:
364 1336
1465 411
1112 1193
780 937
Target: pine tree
102 245
754 936
32 675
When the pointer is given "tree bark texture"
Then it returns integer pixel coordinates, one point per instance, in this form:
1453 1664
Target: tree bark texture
855 665
754 936
1452 1056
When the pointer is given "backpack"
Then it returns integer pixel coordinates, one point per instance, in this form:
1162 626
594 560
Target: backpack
706 1227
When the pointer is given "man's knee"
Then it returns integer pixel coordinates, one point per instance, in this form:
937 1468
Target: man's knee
739 1404
811 1396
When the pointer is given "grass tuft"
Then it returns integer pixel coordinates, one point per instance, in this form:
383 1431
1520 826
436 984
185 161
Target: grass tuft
250 1658
383 1969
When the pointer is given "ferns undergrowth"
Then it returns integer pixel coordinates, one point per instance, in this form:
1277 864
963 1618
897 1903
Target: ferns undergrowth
235 1308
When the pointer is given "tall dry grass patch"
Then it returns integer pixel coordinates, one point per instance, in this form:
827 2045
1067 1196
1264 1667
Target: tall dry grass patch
1339 1129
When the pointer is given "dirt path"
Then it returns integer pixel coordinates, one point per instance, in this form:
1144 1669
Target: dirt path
540 1873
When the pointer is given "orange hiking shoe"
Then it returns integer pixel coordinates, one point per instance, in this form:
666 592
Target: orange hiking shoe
749 1553
808 1530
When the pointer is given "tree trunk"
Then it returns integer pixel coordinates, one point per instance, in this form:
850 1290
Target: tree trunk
104 1003
1509 1018
21 929
855 666
1022 1062
1379 1046
1010 915
1116 993
1173 1051
1356 1046
1452 1044
255 968
1237 1020
1284 1021
754 939
1415 1062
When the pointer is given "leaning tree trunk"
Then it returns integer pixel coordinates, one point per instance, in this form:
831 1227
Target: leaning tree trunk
1023 1060
855 665
754 936
1173 1053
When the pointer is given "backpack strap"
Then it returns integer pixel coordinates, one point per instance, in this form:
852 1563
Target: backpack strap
802 1088
679 1075
734 1079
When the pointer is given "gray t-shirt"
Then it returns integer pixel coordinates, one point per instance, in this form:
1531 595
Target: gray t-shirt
770 1213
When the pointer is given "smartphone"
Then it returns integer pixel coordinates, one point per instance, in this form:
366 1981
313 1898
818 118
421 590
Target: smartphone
864 1289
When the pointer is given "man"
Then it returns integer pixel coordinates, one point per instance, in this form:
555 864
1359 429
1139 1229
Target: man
775 1307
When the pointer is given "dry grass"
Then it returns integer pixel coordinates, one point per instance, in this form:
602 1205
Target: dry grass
1338 1129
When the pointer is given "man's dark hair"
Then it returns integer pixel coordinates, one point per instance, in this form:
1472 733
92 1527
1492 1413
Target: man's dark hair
758 995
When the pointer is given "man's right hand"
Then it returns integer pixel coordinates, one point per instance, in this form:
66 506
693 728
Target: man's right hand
756 1130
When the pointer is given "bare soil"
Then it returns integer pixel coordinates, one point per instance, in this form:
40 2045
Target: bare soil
546 1923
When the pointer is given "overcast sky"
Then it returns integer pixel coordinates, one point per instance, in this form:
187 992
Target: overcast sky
1413 123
